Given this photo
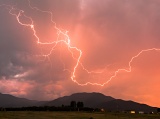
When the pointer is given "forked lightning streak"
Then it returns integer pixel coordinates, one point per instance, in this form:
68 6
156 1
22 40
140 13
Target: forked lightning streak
67 42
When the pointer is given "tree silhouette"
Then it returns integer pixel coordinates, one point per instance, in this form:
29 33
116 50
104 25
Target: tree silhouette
80 104
73 104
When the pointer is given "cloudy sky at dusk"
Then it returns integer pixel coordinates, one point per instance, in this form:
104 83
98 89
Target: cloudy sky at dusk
108 32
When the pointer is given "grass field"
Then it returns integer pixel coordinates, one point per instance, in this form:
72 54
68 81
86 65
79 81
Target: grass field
73 115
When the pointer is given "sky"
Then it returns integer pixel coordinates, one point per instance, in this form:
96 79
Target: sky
108 33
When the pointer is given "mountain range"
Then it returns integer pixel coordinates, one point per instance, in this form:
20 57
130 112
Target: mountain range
93 100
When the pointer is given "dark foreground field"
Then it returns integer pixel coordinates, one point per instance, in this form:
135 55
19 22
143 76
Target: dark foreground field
73 115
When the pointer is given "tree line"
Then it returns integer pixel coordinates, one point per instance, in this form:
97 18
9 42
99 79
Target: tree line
74 106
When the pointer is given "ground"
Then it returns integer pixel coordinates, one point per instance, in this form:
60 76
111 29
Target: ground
73 115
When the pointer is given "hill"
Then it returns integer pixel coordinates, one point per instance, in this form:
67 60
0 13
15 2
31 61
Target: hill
92 100
121 105
89 99
7 100
98 100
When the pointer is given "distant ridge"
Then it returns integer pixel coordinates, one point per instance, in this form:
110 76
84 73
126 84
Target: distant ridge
98 100
89 99
93 100
121 105
7 100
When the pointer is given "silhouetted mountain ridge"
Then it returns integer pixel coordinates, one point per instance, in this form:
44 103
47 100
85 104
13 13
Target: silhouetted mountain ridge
98 100
93 100
89 99
121 105
7 100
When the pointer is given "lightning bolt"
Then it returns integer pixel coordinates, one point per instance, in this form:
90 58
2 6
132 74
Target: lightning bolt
67 42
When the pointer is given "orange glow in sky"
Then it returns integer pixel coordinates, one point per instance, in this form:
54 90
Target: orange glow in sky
92 54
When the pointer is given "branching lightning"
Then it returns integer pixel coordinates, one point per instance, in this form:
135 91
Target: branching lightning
67 42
